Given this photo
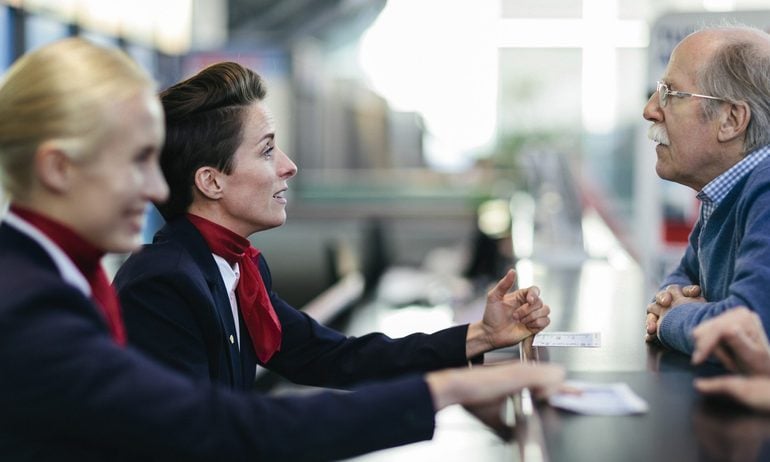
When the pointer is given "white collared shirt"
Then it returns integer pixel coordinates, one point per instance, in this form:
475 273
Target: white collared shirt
231 275
67 268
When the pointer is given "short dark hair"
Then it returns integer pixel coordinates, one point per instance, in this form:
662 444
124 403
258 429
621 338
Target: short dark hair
204 127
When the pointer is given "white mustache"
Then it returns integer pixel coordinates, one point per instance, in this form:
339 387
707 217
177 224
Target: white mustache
658 134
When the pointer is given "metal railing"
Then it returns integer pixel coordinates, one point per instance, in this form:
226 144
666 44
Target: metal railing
520 413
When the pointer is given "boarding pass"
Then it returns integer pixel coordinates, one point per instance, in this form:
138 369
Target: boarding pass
568 339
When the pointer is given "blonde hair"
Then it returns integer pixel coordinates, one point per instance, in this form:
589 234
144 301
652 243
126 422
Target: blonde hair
60 93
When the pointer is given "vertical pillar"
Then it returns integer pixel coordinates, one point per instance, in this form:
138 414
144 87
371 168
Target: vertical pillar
17 20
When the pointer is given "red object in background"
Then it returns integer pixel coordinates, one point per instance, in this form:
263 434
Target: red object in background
676 231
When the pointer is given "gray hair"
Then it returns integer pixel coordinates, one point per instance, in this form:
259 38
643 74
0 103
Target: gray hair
740 71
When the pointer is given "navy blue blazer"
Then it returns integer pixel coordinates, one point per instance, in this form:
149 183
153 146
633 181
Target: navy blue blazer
69 393
176 309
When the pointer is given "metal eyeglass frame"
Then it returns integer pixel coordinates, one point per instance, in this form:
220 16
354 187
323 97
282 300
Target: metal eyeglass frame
664 92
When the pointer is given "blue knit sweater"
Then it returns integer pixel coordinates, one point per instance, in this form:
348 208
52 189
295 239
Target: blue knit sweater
731 264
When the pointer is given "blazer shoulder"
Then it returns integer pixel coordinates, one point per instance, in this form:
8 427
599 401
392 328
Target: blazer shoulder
35 283
171 263
159 257
32 268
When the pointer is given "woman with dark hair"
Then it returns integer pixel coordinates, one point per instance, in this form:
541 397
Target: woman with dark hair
199 298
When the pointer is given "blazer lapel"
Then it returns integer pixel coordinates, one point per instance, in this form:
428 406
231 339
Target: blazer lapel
183 232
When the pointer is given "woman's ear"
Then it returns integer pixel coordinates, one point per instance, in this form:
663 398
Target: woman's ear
734 122
53 167
208 182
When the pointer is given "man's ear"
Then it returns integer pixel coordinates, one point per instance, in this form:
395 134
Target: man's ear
208 182
734 122
53 167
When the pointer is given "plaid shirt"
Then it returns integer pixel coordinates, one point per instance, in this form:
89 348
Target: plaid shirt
716 190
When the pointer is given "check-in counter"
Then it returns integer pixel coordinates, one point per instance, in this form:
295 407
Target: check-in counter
595 292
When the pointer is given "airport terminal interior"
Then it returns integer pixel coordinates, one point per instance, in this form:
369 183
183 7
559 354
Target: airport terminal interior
441 142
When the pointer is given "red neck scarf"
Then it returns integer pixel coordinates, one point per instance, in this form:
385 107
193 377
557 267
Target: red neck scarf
87 258
254 303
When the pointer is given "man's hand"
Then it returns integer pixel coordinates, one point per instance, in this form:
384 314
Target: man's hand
665 300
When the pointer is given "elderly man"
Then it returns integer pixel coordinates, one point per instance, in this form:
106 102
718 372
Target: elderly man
711 119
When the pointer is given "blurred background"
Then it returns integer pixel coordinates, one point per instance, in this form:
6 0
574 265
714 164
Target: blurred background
450 135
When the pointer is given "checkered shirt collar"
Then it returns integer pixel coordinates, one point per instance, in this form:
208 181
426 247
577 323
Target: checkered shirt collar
716 190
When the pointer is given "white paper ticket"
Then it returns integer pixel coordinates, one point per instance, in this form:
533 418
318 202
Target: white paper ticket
568 339
599 399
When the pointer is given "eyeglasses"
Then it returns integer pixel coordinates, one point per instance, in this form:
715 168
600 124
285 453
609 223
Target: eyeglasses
664 92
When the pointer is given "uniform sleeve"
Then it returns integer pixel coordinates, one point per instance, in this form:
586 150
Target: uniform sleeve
62 378
313 354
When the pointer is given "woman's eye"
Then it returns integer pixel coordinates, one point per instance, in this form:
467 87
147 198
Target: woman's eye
144 156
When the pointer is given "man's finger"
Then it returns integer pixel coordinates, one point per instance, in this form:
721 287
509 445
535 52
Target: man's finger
664 298
675 291
691 291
